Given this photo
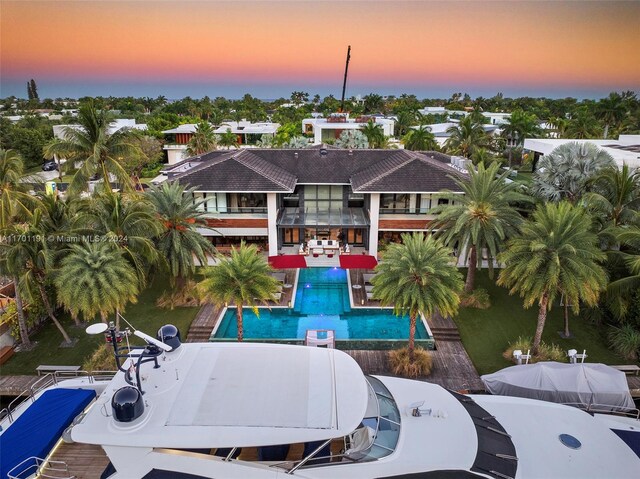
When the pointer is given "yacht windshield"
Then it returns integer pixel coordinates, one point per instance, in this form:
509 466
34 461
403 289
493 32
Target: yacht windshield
386 423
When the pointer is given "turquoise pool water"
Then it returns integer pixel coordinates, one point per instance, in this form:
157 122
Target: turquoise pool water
322 302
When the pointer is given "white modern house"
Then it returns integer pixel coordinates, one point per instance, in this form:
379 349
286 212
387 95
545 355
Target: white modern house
331 128
116 125
439 130
495 118
248 134
624 150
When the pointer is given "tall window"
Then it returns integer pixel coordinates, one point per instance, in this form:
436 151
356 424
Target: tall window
323 197
214 202
395 202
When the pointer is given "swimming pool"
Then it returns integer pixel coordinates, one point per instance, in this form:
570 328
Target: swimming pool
322 302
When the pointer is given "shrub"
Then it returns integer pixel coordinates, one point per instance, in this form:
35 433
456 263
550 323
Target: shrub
546 352
101 360
625 341
187 296
400 364
478 298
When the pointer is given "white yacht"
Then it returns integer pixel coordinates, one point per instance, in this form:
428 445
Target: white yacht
234 410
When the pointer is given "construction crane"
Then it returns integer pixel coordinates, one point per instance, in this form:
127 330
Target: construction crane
344 83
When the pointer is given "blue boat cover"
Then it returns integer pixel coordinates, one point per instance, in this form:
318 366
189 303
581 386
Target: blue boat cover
36 431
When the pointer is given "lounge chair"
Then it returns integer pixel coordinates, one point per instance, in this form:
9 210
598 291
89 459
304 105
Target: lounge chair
368 288
368 277
279 276
370 296
324 338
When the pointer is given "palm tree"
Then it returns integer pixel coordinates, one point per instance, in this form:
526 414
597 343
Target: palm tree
127 221
620 291
374 133
418 276
31 261
582 125
241 279
611 111
179 242
614 200
99 151
16 205
466 137
522 125
95 277
15 201
404 121
228 139
556 254
352 139
420 139
482 218
565 172
203 140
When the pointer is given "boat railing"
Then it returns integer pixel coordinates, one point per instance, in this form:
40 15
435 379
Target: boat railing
42 468
606 409
48 380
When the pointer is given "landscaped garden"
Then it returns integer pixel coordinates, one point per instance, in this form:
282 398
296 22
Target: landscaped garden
486 333
145 316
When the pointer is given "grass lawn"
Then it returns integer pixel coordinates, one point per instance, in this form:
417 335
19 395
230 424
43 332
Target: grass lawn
487 333
524 177
144 315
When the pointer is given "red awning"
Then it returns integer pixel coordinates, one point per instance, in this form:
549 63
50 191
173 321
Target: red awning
287 261
357 261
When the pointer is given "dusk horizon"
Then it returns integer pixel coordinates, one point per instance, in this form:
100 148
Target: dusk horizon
269 49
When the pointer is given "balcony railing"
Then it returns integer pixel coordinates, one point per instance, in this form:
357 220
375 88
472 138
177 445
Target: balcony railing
250 210
405 211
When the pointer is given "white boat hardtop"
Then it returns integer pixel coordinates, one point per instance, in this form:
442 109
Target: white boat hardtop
208 397
214 395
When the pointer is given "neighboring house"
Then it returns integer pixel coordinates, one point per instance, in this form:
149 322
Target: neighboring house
59 130
626 149
248 134
439 130
330 128
285 197
495 118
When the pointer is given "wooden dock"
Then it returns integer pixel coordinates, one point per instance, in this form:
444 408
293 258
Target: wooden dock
16 385
452 368
85 461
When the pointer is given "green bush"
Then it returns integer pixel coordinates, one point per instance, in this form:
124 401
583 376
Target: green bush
151 170
420 366
625 341
478 298
546 352
102 359
34 313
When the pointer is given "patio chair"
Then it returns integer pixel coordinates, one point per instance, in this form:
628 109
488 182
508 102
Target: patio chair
359 441
323 338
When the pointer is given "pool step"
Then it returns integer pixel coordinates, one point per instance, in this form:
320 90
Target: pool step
445 334
198 334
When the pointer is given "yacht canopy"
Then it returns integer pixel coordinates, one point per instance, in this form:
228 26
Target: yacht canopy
585 384
226 395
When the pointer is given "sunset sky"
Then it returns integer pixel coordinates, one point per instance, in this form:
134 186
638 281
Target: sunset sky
269 48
